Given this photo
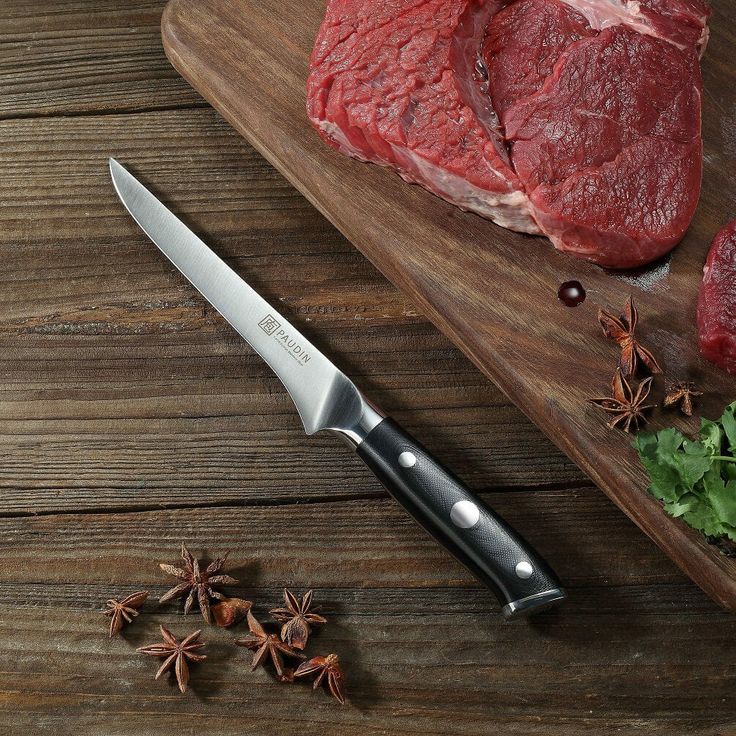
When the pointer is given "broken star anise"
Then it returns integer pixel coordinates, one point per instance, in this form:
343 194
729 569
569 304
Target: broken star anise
197 583
230 611
682 394
267 645
176 654
626 405
325 667
297 618
124 611
623 331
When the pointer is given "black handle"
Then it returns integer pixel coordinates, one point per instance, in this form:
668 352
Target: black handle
474 534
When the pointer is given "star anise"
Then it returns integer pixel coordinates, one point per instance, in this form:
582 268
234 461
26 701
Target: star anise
626 405
297 619
124 611
197 583
325 667
682 393
230 611
266 645
176 654
622 330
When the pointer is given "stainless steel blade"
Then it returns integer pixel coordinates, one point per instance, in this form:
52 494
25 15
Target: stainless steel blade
324 396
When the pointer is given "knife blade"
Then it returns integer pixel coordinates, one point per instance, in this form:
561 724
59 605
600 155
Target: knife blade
326 399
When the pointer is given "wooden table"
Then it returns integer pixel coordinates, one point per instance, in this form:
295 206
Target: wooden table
134 419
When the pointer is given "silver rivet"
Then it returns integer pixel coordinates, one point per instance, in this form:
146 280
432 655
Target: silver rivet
407 460
524 570
465 514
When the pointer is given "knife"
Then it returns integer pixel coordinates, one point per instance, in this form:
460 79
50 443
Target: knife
327 399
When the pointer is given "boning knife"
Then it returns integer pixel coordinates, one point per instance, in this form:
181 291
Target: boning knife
327 399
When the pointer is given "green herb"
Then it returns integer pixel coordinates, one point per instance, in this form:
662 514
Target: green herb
695 479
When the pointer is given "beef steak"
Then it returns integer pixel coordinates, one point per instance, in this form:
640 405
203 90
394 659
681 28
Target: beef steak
717 302
604 133
577 119
391 82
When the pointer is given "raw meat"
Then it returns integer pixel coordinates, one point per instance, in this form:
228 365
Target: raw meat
717 303
391 82
609 156
576 119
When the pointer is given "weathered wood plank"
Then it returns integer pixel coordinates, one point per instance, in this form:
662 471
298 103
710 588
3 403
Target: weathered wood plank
408 675
352 544
122 388
65 57
426 651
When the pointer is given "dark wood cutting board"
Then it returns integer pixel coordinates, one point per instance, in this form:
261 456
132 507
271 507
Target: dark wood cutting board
493 292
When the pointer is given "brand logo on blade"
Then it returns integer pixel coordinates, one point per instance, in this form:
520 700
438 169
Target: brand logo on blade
271 326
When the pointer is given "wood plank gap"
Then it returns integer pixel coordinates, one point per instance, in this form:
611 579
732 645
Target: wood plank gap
106 113
260 501
257 502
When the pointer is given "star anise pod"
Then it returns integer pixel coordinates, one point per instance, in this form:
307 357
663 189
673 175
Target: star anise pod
230 611
266 645
325 668
176 654
622 330
287 677
197 583
124 611
626 405
682 393
297 619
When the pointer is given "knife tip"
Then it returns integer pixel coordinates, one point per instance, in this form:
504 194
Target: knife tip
116 174
117 171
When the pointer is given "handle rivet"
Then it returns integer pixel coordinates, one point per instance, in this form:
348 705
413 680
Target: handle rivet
524 570
407 460
464 514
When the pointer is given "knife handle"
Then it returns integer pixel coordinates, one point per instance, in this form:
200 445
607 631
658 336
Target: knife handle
472 532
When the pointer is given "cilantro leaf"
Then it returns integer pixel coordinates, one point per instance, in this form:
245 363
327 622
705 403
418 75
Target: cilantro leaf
711 435
695 478
692 463
678 508
728 420
722 496
653 448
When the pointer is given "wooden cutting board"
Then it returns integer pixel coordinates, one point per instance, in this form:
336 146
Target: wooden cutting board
491 291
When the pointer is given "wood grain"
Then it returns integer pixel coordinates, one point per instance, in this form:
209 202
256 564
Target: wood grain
422 652
121 394
81 58
166 400
471 278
